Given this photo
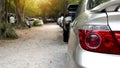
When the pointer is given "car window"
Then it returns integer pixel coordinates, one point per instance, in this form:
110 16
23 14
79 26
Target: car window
113 8
119 9
93 3
68 19
72 7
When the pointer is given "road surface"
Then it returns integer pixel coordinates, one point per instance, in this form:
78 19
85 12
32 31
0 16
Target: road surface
37 47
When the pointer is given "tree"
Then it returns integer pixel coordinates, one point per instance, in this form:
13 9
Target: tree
52 8
31 10
2 10
19 9
72 1
11 5
6 30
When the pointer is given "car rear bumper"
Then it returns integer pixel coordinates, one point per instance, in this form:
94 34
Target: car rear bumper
88 59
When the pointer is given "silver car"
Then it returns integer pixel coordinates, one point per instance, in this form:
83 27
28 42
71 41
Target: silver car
95 35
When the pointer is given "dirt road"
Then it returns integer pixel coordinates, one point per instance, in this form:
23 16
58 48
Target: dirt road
37 47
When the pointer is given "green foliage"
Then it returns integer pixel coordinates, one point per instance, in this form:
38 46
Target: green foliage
11 6
7 32
73 1
44 8
52 8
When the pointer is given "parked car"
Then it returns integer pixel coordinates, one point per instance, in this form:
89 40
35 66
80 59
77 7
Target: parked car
95 36
12 18
31 21
38 22
60 20
69 16
34 21
50 19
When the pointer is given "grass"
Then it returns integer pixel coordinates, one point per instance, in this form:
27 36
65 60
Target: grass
7 31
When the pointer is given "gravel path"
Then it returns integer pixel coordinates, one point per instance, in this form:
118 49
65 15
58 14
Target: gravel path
38 47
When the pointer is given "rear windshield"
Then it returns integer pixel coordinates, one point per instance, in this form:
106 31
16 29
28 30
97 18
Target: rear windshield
72 7
94 3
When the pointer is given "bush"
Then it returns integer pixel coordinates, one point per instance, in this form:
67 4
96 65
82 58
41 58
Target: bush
7 32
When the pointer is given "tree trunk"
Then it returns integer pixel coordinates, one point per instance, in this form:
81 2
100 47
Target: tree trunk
19 8
2 11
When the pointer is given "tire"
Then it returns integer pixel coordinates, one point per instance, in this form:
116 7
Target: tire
65 35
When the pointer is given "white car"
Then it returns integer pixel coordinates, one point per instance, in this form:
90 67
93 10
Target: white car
95 36
60 21
32 21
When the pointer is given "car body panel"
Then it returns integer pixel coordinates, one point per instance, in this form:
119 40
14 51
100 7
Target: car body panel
89 59
80 58
105 5
114 20
72 50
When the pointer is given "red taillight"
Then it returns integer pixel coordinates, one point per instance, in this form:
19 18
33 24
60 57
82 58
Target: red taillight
98 39
67 23
117 34
65 15
92 41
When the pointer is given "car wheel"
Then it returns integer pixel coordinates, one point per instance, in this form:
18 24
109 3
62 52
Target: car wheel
65 35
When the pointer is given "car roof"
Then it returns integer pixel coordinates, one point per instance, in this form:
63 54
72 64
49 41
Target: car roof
105 5
72 7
